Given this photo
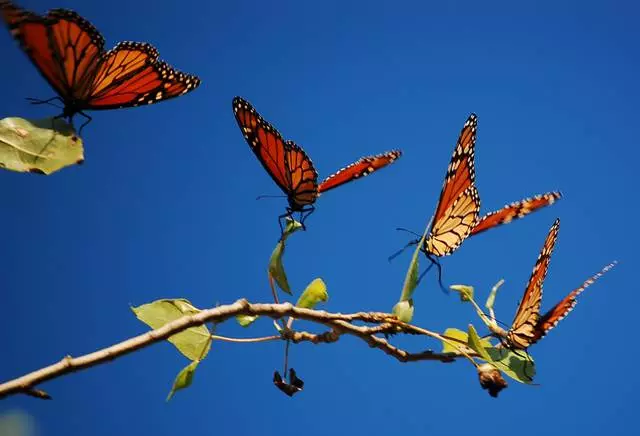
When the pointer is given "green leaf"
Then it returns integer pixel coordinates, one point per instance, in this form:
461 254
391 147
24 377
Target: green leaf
194 343
276 270
516 364
184 378
315 293
291 227
42 146
246 320
404 310
411 279
466 292
475 343
461 336
491 299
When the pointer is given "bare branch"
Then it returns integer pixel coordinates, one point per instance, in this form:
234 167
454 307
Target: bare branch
338 323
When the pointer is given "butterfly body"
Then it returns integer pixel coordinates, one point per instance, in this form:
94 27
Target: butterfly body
69 53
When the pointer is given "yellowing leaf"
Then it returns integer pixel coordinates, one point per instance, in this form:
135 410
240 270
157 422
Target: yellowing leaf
43 146
184 378
315 293
466 292
246 320
194 343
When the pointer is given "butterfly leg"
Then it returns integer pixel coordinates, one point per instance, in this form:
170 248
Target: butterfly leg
88 118
304 216
437 264
285 215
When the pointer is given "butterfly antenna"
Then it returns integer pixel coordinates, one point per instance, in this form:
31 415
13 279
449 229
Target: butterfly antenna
260 197
399 252
402 229
48 101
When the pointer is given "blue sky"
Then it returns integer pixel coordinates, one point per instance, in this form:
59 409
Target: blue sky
164 207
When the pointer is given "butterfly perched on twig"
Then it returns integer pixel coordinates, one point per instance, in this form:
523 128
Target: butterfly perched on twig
528 325
69 53
457 214
291 168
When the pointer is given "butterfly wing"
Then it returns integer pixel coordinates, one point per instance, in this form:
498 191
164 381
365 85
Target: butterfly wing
550 319
361 168
63 46
303 177
523 328
131 75
459 203
267 144
515 210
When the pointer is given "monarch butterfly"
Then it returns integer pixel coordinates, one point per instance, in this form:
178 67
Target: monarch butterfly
69 53
457 213
528 326
291 168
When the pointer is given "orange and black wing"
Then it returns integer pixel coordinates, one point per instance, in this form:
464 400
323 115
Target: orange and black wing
523 328
362 167
459 203
63 46
515 210
550 319
303 178
269 147
131 75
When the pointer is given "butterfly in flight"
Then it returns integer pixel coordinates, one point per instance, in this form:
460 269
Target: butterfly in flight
457 212
291 168
69 53
528 325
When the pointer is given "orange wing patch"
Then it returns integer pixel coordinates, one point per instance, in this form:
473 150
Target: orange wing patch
523 328
515 210
361 168
265 142
549 320
63 46
132 75
69 53
303 183
459 204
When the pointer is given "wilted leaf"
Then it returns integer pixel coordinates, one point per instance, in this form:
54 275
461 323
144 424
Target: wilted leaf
315 293
491 299
294 386
246 320
466 292
43 146
404 310
193 342
184 378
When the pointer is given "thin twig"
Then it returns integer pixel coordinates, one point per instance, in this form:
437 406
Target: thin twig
338 323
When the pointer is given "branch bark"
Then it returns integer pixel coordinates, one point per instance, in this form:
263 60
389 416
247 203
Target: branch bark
338 323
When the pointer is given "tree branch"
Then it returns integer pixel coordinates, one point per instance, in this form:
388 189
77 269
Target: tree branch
337 322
